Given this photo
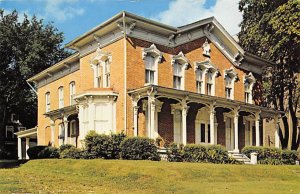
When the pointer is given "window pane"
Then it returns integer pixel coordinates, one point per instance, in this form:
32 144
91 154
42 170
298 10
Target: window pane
151 77
202 132
199 75
198 86
208 133
208 89
147 77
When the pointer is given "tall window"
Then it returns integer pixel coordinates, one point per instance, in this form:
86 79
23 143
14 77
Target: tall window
149 69
73 128
209 83
72 93
177 76
247 92
107 73
228 87
98 76
202 133
60 97
47 95
199 81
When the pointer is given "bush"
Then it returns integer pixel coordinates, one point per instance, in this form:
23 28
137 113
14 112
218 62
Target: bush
71 152
103 146
175 153
217 154
40 152
65 147
273 156
139 148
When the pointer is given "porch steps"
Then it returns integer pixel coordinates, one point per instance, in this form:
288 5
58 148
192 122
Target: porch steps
240 157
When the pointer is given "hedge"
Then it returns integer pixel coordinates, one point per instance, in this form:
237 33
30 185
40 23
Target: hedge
139 148
199 153
274 156
40 152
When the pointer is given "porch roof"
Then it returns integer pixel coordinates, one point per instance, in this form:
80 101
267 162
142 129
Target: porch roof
29 133
60 113
166 92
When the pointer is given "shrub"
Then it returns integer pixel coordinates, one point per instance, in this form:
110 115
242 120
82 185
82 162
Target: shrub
103 146
71 152
194 153
175 153
39 152
289 156
217 154
65 147
139 148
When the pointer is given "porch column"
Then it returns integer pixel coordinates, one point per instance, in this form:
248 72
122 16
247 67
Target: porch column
27 147
81 125
151 115
52 124
135 119
250 131
236 131
257 138
19 148
65 120
212 124
91 116
276 123
183 115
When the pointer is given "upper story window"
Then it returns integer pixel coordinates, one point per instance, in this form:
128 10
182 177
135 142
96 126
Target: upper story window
199 81
47 98
177 76
101 67
249 82
60 97
149 69
206 72
151 56
107 73
72 93
230 77
180 63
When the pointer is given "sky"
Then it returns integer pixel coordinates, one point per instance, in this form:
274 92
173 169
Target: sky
75 17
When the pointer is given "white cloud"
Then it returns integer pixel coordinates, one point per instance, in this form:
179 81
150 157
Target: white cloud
182 12
62 10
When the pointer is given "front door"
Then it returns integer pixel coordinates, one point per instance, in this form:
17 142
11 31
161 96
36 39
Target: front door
229 134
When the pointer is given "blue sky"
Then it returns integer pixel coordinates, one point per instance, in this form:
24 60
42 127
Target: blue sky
74 17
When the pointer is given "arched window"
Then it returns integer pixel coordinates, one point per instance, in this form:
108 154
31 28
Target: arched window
47 99
151 56
60 97
72 92
73 128
249 82
107 73
180 63
230 77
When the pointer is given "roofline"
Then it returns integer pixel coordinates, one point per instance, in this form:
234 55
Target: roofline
33 78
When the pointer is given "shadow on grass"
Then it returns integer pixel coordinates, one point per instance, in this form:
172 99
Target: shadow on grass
11 163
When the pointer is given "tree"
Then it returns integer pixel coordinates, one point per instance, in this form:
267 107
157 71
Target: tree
27 46
271 29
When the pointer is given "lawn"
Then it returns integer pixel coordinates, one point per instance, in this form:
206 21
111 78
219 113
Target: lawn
120 176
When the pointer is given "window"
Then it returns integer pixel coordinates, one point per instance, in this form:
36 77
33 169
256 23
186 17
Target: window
72 93
47 95
199 81
202 133
98 76
247 92
73 128
107 73
177 75
209 83
228 87
60 97
208 133
149 69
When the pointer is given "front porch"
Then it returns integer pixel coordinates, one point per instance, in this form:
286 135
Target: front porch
26 139
187 117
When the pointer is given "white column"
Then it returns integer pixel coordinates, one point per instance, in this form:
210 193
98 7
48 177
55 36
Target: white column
135 120
277 144
152 120
52 125
250 131
184 114
19 148
212 125
65 120
27 147
91 115
236 131
257 138
81 125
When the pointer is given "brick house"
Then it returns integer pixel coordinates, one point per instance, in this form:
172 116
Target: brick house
189 84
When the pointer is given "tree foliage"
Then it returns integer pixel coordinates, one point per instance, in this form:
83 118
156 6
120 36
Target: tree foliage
271 29
27 46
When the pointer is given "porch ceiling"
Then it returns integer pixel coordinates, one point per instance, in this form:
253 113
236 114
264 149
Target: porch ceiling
29 133
60 113
202 99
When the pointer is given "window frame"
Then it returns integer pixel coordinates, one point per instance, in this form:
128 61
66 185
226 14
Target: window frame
72 91
48 102
61 102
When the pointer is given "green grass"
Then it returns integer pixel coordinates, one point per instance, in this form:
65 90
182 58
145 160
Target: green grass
120 176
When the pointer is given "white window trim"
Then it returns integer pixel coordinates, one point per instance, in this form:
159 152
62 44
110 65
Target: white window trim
72 90
184 62
61 97
251 80
234 77
100 58
48 101
206 66
157 54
